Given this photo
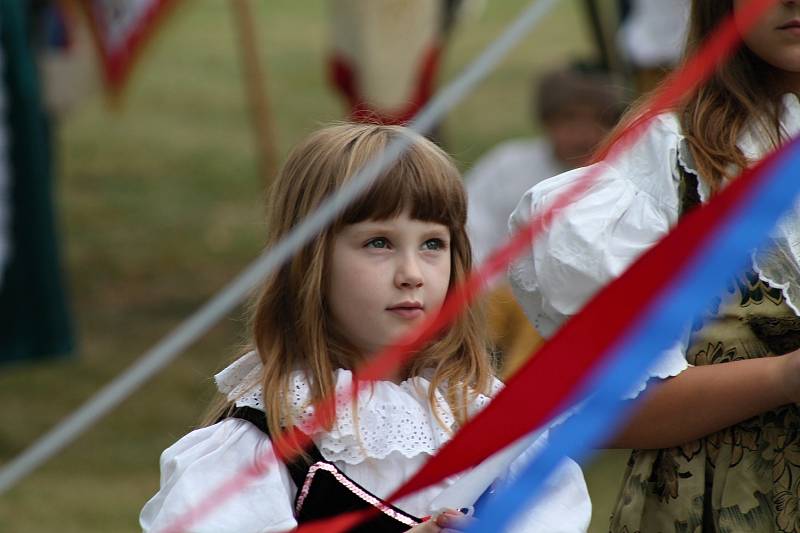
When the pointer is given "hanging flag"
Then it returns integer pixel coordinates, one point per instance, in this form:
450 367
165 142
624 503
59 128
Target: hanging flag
121 29
385 71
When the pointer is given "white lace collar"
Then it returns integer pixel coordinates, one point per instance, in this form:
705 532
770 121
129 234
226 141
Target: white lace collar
392 417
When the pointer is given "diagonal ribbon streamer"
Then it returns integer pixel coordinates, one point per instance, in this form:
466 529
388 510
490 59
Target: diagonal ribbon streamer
718 47
168 348
647 309
697 70
679 277
559 371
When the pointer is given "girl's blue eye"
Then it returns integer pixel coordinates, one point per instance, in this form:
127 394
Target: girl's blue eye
434 244
378 242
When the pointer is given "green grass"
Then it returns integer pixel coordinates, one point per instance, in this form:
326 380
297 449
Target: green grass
160 203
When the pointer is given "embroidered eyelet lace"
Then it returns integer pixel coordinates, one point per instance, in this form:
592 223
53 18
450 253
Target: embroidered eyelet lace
392 417
777 263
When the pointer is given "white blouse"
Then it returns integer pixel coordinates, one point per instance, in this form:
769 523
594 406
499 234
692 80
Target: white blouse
631 205
398 434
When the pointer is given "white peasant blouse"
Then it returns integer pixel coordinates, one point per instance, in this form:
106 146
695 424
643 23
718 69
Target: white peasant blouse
632 204
398 434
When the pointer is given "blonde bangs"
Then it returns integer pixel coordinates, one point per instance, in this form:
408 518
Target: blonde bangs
424 182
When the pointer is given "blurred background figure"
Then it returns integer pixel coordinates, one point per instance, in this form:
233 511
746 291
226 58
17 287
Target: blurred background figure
386 54
651 38
66 57
34 317
575 106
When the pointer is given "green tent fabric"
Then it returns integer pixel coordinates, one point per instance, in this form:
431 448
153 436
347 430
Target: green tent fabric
34 318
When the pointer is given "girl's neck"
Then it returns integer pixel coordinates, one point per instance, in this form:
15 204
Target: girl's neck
789 82
793 85
397 376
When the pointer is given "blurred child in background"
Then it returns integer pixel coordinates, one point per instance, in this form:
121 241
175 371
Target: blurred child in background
576 107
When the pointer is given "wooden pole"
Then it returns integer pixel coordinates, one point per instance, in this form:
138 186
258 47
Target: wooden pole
608 57
256 89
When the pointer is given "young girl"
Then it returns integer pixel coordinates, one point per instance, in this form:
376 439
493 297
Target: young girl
718 439
382 268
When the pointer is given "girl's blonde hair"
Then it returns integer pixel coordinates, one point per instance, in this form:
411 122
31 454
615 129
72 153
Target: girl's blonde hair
742 92
292 328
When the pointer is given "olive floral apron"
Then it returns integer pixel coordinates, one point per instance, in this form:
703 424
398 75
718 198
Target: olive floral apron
745 478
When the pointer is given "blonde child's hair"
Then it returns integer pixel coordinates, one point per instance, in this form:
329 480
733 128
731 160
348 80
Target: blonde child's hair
291 326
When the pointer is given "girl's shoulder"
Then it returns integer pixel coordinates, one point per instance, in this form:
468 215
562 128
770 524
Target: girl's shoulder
207 457
650 159
630 201
645 164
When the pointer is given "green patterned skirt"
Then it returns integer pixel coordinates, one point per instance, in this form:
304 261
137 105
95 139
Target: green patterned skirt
745 478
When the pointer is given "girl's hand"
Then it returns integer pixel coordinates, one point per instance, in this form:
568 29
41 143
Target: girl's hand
429 526
447 522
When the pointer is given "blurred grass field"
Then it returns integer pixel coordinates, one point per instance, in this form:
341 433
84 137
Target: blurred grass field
161 204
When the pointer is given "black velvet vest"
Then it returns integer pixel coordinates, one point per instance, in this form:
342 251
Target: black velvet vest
323 491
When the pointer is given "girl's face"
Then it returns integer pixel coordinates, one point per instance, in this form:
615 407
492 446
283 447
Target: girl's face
775 38
386 277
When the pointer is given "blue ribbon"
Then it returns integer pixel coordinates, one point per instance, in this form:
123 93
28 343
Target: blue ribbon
663 322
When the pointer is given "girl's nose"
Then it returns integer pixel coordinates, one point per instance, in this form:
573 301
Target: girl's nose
408 274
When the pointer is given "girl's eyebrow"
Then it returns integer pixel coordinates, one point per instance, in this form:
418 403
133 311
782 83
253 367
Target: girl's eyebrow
437 228
438 234
371 227
379 226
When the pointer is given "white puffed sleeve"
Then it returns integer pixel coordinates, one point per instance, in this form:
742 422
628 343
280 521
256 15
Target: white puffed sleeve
631 205
204 459
564 505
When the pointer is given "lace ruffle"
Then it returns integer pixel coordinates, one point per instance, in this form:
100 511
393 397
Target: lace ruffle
239 381
686 161
391 417
778 262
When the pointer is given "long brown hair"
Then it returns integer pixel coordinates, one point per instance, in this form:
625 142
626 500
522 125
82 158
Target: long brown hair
291 327
743 91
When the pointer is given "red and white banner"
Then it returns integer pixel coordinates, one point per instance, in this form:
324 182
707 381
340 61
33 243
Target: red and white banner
121 29
385 56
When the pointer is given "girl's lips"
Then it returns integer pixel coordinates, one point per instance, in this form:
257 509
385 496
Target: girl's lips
793 26
406 312
793 30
